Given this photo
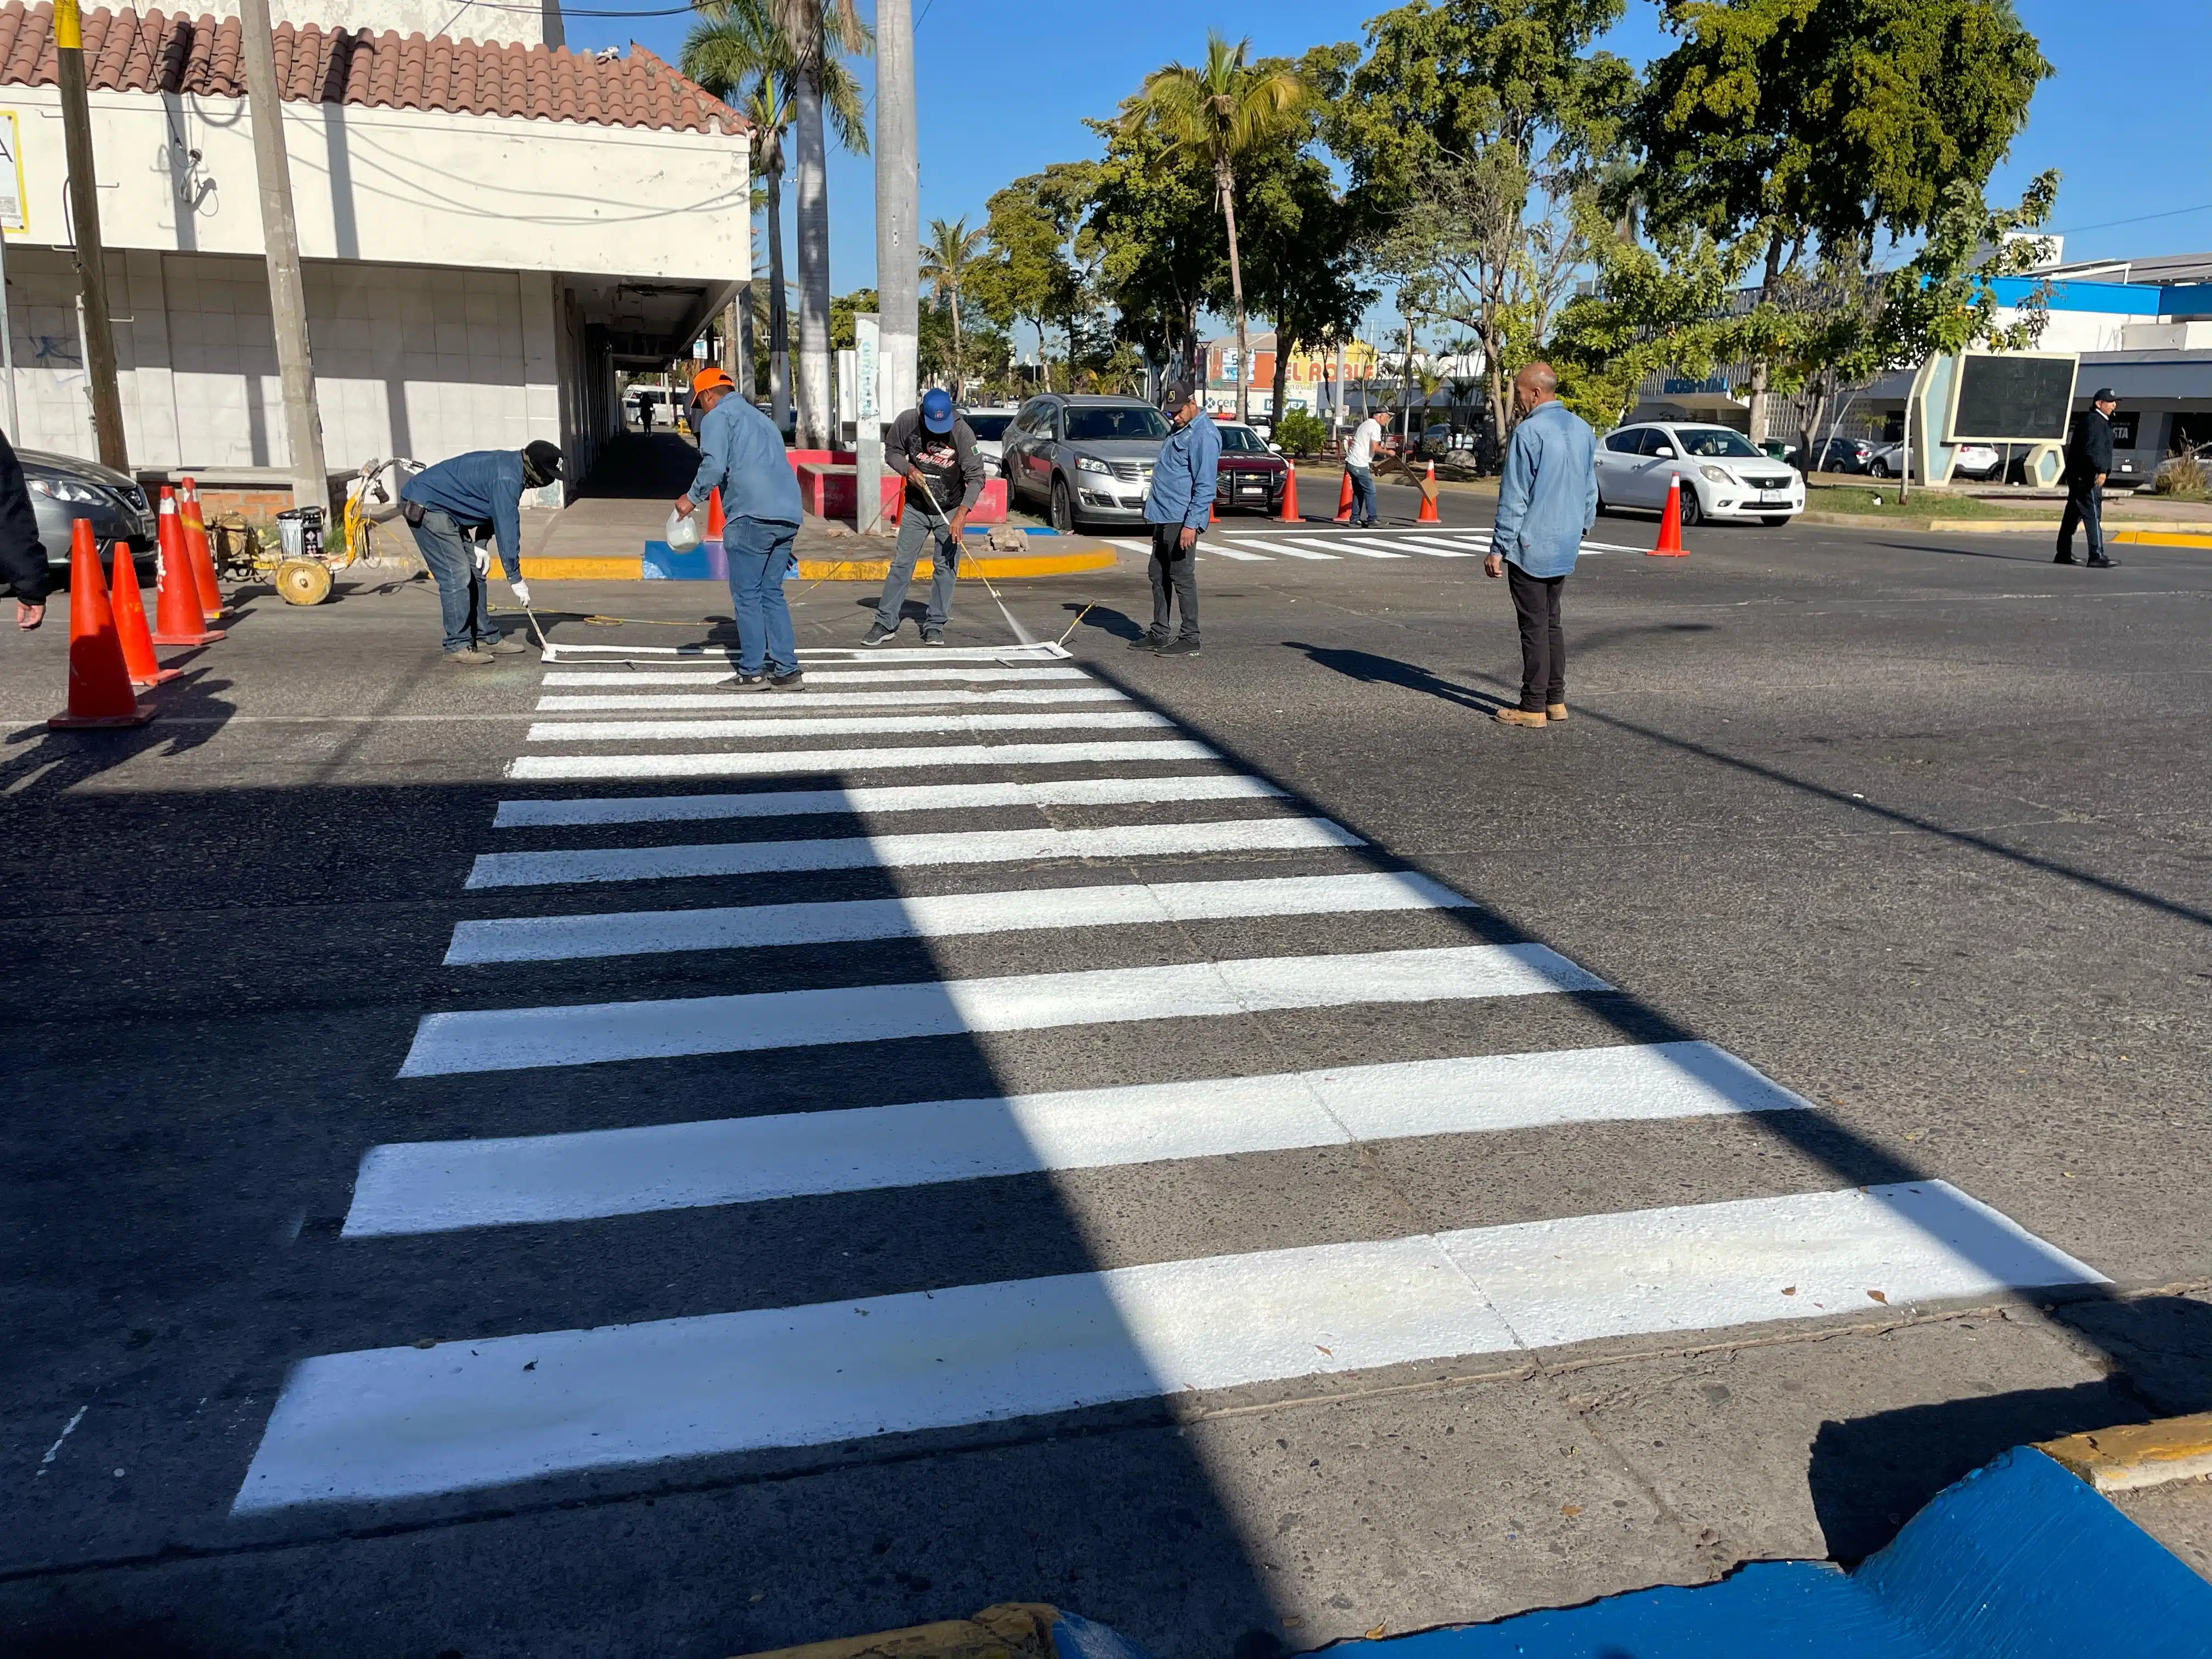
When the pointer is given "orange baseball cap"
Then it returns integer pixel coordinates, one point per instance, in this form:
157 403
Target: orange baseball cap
711 380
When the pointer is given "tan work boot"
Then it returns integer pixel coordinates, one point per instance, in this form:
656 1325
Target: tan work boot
1555 711
1518 717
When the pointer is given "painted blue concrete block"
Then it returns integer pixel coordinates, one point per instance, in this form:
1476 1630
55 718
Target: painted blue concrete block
705 562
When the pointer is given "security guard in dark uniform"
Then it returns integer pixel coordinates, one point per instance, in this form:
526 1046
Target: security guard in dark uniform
2088 459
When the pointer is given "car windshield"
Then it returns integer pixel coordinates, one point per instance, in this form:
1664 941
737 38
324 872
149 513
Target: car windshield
1117 421
1711 440
989 428
1242 440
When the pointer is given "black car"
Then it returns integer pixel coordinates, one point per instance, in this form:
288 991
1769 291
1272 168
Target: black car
66 488
1846 455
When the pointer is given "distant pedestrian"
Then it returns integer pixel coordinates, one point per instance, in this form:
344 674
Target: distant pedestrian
741 454
1177 507
2088 460
451 508
645 406
1546 502
932 448
1368 442
22 555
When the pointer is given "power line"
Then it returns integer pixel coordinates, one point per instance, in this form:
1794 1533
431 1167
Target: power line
2140 218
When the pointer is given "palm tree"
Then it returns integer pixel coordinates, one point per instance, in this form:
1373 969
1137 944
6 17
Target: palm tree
947 259
1221 112
770 113
808 27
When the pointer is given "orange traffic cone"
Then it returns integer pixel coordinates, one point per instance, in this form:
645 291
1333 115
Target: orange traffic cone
1669 545
715 518
177 618
196 549
1343 502
130 613
1290 513
100 691
1428 513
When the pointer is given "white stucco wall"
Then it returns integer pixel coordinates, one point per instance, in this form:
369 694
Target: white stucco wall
404 186
462 20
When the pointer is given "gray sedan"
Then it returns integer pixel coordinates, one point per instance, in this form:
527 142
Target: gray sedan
1087 460
65 488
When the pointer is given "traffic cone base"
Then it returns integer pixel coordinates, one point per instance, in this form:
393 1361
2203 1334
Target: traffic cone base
1290 513
100 693
1669 544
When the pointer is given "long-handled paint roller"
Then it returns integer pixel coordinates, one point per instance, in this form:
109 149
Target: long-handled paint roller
930 495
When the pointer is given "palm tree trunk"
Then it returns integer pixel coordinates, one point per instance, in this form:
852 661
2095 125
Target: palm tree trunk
1227 182
1281 389
779 310
959 380
811 173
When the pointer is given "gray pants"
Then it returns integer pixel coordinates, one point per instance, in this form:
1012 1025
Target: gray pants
916 526
1176 570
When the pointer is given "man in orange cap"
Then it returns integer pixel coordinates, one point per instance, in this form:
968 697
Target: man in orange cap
741 454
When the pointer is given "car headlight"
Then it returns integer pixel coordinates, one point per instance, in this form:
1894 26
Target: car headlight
1092 463
62 489
1718 475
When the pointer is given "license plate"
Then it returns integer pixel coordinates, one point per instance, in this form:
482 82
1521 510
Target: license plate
1773 498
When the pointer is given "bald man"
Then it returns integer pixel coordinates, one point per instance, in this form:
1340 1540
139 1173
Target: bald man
1546 502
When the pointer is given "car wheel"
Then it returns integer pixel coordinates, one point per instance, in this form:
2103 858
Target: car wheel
1063 508
1775 520
1694 507
1878 469
1604 506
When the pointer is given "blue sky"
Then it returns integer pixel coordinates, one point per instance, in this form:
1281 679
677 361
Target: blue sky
1004 87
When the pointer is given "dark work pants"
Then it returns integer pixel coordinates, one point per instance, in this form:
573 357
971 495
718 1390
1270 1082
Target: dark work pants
2085 506
1543 645
463 605
1171 566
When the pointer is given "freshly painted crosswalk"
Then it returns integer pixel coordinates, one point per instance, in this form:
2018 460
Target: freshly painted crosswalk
471 1413
1315 542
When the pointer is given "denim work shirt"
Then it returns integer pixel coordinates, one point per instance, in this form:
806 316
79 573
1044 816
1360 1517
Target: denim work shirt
1547 496
1184 475
479 490
741 454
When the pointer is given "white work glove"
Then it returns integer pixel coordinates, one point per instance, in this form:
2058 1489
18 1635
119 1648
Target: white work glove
483 560
521 593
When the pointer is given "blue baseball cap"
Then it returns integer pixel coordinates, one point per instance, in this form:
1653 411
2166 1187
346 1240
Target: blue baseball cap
937 410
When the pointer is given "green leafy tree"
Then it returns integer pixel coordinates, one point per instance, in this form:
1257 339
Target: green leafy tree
949 253
1221 111
1029 274
1161 244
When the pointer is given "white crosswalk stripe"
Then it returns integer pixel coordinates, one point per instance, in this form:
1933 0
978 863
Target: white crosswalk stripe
398 1422
1380 542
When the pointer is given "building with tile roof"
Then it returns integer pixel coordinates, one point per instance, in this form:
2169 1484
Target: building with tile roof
491 232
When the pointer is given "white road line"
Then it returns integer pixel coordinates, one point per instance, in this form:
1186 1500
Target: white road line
893 798
756 703
577 769
394 1423
749 927
1225 550
906 852
826 655
814 676
1288 549
825 726
1129 545
1363 548
1443 549
515 1039
437 1186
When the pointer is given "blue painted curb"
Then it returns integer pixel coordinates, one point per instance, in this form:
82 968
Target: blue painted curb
2019 1560
705 562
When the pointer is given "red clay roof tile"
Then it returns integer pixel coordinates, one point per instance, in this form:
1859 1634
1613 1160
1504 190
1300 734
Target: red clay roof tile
168 51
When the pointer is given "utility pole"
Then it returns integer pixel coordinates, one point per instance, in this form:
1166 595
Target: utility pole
280 236
898 220
91 257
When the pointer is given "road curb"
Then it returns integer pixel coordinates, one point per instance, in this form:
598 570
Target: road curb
2178 536
2181 533
583 570
2137 1455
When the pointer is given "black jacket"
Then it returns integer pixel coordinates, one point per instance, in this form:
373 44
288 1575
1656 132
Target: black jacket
2089 451
948 460
22 558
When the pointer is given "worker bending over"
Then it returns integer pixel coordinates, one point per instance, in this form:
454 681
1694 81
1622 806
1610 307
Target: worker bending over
451 508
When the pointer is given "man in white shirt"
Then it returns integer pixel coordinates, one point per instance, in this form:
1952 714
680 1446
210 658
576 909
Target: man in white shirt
1360 462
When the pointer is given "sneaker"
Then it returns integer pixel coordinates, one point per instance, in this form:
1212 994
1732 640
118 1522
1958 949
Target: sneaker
2101 562
1180 648
932 636
744 682
1520 717
500 646
469 657
794 681
1144 642
879 635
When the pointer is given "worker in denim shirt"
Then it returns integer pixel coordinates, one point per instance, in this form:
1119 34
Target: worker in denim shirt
1178 506
1546 502
741 454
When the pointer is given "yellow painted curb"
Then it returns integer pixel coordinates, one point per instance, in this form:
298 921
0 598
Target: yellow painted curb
2135 1456
999 570
583 570
1012 1629
2160 538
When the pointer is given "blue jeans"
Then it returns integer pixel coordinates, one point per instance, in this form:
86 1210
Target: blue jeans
915 527
759 552
1363 494
452 557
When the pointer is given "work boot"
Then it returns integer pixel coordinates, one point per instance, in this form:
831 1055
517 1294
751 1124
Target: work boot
500 646
469 657
1519 717
879 635
2101 562
794 681
1555 711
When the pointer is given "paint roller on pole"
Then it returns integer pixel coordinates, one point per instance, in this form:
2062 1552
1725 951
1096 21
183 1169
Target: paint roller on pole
929 495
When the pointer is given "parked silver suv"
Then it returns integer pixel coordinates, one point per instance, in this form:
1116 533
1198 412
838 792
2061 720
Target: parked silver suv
1085 459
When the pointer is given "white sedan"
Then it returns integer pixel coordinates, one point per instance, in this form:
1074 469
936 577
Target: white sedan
1723 475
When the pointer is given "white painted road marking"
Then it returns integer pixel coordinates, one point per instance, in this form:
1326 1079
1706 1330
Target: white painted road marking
395 1423
892 798
571 769
516 1039
1232 550
1291 550
809 726
757 703
921 848
750 926
661 655
436 1186
814 676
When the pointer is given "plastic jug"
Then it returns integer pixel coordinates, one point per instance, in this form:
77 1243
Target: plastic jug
683 534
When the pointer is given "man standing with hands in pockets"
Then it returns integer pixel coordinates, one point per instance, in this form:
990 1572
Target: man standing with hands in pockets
1546 502
1177 508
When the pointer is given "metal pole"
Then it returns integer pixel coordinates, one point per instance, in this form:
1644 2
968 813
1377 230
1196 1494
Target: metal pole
898 242
91 259
8 347
280 236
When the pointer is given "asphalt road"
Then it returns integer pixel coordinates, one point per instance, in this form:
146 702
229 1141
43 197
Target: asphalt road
1916 828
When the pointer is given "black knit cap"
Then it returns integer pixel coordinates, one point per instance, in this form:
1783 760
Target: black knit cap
541 463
